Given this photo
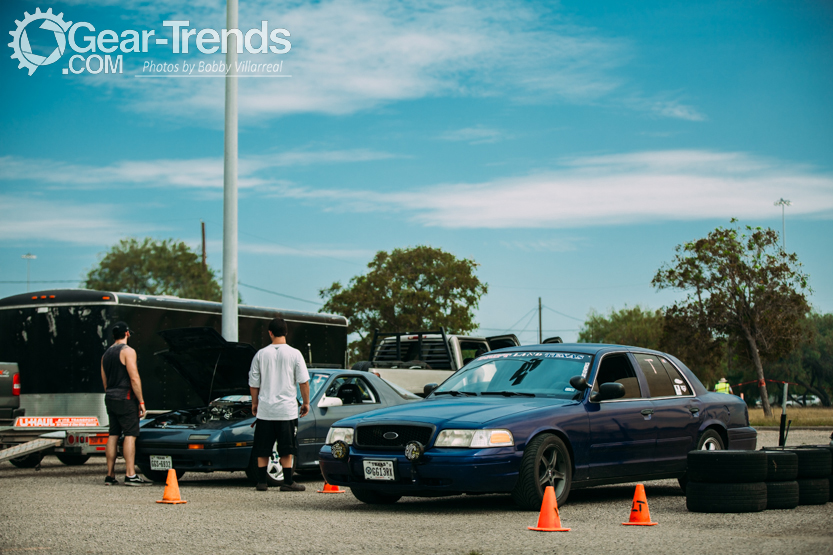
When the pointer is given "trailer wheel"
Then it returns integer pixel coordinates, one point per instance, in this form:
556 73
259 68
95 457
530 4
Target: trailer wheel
27 461
72 460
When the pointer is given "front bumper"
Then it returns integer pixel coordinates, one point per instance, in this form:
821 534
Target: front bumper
441 471
198 460
744 439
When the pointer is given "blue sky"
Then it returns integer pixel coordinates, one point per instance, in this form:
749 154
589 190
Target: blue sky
566 147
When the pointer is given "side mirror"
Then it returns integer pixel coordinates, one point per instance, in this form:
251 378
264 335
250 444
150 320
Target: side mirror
611 390
579 383
326 402
429 387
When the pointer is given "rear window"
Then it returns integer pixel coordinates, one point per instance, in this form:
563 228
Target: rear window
680 385
659 383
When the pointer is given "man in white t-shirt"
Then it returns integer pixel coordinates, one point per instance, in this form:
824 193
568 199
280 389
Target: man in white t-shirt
277 370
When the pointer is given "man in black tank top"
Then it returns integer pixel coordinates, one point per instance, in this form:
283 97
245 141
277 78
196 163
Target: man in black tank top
124 402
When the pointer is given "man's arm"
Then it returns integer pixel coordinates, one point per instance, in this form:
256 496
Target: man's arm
254 382
305 397
135 380
103 375
254 391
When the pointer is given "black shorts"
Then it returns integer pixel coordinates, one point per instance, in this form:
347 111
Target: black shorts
268 432
124 416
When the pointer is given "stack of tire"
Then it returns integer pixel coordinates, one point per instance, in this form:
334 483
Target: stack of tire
814 470
726 481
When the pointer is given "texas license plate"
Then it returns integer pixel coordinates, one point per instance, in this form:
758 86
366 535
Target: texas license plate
378 470
160 462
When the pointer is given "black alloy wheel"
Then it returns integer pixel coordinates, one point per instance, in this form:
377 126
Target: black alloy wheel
546 462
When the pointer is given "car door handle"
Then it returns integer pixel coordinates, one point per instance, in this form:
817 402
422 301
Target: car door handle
647 412
694 410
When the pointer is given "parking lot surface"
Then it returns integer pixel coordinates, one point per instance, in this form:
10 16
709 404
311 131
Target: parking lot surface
62 509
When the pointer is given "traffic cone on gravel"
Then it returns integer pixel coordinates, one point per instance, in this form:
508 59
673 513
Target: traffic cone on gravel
640 516
549 520
330 489
171 494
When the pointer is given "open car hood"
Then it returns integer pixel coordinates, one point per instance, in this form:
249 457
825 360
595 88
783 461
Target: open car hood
202 356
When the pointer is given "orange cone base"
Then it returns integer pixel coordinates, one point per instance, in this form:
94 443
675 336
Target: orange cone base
331 489
640 523
179 502
548 529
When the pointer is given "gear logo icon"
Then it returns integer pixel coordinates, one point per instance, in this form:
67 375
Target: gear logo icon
20 41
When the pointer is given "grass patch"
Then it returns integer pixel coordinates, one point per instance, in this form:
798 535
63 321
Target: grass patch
801 416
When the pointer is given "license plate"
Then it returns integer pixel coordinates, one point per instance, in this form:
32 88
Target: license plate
97 440
159 462
378 470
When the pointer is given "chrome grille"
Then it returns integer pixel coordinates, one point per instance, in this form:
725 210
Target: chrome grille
374 435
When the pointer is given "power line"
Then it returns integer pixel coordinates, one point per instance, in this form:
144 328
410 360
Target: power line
526 331
565 315
570 288
278 294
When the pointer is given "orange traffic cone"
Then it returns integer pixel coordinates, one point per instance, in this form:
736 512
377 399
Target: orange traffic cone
171 494
640 516
548 520
330 489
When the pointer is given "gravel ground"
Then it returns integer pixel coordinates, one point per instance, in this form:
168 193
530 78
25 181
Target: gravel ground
64 509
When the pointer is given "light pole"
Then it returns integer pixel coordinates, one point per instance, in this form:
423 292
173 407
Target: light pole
783 203
229 325
28 257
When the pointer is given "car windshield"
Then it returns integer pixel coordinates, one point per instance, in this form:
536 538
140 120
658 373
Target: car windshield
539 374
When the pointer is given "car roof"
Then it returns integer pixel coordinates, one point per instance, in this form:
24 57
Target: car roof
583 348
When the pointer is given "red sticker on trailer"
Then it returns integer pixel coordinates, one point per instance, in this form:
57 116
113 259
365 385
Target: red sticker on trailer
55 421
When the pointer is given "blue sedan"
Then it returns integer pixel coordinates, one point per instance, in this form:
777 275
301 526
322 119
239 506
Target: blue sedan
517 420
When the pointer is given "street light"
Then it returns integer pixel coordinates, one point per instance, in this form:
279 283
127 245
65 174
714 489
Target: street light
783 203
28 257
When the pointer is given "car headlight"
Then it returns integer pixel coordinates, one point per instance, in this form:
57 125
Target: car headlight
474 438
343 434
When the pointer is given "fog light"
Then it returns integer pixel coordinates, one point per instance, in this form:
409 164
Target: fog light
340 450
414 451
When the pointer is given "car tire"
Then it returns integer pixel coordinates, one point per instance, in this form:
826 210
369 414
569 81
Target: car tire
782 466
539 469
814 462
709 440
72 460
160 476
782 495
362 366
813 491
727 467
274 471
372 497
27 461
726 498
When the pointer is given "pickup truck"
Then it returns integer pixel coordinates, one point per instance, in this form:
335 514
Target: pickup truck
413 360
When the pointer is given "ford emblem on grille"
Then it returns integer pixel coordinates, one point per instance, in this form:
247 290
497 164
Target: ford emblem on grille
390 435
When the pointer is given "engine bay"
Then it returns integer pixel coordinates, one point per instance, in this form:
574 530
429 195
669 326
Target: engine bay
220 411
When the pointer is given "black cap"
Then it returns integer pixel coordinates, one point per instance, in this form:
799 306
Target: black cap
120 329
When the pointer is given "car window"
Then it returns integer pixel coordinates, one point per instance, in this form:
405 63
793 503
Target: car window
680 385
659 383
470 350
352 390
316 382
618 368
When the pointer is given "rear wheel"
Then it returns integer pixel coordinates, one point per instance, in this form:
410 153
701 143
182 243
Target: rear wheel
374 497
27 461
709 441
546 462
72 460
159 475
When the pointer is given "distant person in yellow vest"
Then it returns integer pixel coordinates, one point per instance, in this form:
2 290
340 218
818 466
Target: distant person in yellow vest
723 386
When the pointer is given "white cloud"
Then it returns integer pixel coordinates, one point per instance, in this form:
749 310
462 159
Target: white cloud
32 219
544 245
642 187
472 135
187 173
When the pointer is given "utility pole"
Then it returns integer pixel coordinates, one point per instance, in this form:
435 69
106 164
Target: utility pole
202 224
782 203
230 181
540 329
28 257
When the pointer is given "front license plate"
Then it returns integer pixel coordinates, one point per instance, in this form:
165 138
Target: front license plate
378 470
160 462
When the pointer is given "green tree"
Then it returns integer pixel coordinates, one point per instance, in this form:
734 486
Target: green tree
811 364
413 289
153 267
741 284
628 326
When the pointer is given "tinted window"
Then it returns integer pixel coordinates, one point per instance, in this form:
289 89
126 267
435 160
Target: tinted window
352 390
680 385
618 369
659 384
